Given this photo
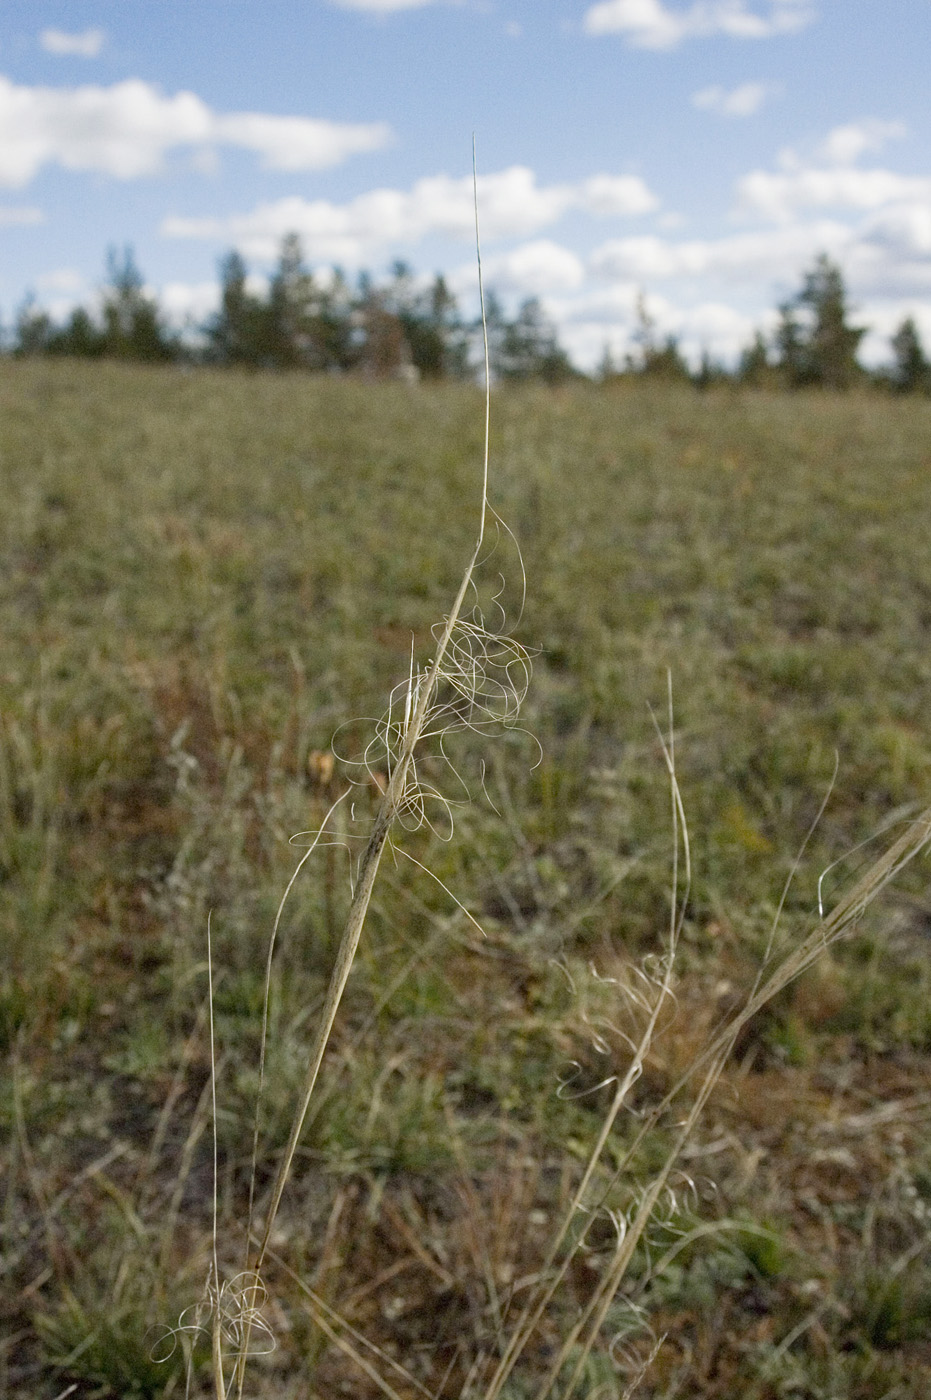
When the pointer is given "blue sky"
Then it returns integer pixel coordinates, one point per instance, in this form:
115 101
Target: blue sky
701 152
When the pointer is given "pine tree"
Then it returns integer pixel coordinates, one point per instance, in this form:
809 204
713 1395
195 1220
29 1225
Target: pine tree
666 361
792 355
660 359
911 371
815 342
79 336
608 369
35 334
132 327
237 335
335 327
382 349
530 349
754 367
295 304
834 343
710 371
431 323
33 329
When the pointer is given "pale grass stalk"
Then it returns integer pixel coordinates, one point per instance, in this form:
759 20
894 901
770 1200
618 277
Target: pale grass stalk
200 1121
392 803
420 697
217 1336
915 839
266 1004
335 1326
147 1170
540 1300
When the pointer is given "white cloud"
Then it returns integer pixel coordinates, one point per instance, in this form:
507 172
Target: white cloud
20 218
61 279
742 101
539 269
831 180
874 222
511 202
647 22
591 321
122 130
382 7
883 318
712 293
710 326
845 144
651 24
61 290
187 302
616 195
298 143
749 258
904 229
890 254
185 305
781 196
85 45
126 131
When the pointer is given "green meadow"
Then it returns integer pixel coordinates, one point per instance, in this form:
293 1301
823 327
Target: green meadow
211 581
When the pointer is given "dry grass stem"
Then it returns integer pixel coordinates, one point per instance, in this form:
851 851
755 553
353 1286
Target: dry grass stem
485 675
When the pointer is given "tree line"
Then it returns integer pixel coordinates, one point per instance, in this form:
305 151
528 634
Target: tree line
400 328
396 329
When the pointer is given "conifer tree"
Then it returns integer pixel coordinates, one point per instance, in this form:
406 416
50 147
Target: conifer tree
815 342
294 308
132 327
911 372
238 332
792 355
753 367
80 336
33 329
335 330
529 347
431 323
660 359
383 352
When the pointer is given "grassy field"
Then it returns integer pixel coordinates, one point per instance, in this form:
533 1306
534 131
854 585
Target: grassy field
209 579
